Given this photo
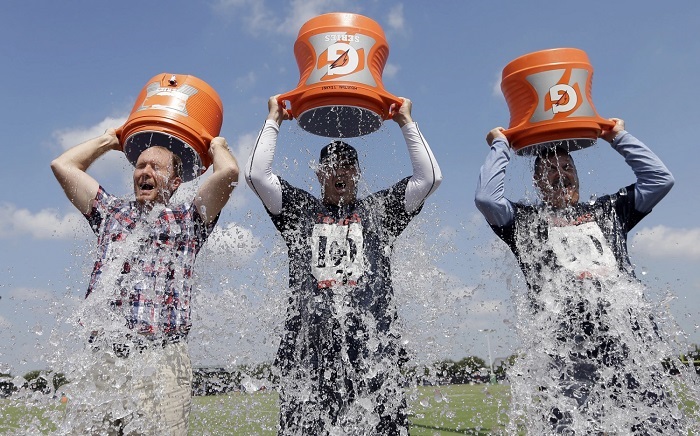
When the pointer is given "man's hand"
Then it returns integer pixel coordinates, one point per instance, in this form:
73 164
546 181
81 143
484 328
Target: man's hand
277 111
496 133
403 115
610 134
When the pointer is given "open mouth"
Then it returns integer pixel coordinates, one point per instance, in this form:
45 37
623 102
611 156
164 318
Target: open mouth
340 185
146 187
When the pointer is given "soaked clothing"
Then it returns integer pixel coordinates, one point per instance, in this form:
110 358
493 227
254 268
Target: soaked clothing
339 356
588 317
147 392
340 314
585 242
137 376
145 262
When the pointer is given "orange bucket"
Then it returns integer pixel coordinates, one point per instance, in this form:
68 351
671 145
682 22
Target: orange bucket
182 113
341 57
549 98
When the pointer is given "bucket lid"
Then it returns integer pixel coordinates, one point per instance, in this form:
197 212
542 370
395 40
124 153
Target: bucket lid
339 121
138 142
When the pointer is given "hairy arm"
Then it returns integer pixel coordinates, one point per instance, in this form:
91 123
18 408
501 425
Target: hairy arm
217 189
70 169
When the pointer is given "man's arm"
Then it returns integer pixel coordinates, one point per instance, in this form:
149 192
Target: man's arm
426 176
216 190
258 170
654 180
490 189
71 166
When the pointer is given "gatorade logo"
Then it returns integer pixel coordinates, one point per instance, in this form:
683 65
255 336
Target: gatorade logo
158 97
341 59
562 97
561 94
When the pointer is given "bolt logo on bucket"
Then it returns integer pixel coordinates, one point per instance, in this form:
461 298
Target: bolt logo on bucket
179 112
549 97
341 57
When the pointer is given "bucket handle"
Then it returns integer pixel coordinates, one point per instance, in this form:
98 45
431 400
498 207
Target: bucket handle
290 97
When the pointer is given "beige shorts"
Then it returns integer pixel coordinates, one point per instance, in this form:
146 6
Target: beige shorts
146 393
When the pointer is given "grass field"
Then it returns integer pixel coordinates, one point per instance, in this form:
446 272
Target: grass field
444 410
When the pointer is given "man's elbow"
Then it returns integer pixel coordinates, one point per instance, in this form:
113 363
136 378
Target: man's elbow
438 179
667 183
482 200
58 167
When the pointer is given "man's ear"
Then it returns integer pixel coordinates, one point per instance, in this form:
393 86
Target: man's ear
175 183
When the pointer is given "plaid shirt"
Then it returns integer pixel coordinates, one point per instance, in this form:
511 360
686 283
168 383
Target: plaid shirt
145 261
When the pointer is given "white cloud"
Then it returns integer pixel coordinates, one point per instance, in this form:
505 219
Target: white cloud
31 294
395 19
232 244
390 70
45 224
260 18
496 87
67 138
247 81
304 10
664 242
112 163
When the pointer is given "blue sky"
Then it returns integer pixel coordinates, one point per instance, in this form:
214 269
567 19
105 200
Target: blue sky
72 69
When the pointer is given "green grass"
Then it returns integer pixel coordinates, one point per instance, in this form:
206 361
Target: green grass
443 410
434 410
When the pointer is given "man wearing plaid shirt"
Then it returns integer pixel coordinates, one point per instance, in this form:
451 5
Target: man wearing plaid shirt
138 378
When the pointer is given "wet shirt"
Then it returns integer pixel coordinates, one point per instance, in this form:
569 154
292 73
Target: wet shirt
588 240
339 263
145 261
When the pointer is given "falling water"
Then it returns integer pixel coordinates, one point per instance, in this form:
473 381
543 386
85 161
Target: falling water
597 354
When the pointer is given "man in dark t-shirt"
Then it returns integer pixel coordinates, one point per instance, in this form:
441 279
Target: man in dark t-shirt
588 333
339 355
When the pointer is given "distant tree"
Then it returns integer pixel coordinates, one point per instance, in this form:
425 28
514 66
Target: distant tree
502 369
7 386
37 381
59 379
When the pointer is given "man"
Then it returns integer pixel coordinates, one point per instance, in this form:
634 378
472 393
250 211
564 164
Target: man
138 300
339 356
586 315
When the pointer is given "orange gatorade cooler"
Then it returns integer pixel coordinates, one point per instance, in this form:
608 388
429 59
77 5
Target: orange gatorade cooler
549 98
341 57
180 112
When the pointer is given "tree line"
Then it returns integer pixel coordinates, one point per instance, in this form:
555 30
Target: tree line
220 380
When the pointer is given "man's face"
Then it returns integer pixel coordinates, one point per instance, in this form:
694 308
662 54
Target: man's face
557 180
154 176
338 182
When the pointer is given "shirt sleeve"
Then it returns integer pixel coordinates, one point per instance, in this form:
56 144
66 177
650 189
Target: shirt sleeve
654 180
490 188
426 173
391 202
258 170
99 206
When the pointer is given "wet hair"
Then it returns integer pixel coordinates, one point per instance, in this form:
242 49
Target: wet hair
338 152
177 165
